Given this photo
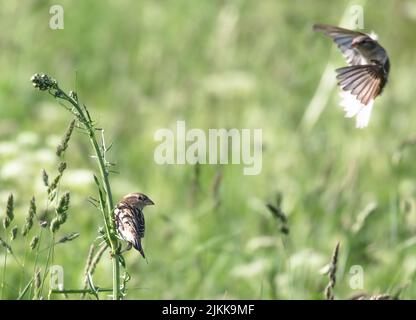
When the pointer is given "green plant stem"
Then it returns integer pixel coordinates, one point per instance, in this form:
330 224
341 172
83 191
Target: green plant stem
37 252
53 254
45 273
4 274
110 206
24 263
26 289
107 188
75 291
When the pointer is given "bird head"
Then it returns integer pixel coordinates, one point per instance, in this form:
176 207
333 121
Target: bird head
138 199
363 42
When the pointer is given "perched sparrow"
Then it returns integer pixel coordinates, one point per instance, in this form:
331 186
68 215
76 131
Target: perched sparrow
129 219
365 77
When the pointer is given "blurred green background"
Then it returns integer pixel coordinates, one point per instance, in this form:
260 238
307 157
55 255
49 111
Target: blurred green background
143 65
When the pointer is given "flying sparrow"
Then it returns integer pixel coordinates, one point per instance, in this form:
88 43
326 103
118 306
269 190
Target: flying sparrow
365 77
129 219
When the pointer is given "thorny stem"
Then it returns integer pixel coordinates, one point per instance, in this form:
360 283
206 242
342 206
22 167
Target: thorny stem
110 206
43 82
109 196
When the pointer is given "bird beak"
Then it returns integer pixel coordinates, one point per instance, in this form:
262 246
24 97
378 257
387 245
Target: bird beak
150 202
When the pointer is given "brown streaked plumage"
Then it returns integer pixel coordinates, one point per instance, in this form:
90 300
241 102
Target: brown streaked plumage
129 219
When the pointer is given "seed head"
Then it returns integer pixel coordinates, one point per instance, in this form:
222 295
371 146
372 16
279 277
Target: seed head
5 245
65 140
55 225
9 212
13 233
34 242
45 178
37 281
30 216
63 204
43 82
69 237
62 167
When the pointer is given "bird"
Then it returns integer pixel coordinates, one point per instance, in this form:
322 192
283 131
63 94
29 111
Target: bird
129 219
366 74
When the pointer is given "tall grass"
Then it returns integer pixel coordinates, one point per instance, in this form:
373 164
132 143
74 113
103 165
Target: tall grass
33 268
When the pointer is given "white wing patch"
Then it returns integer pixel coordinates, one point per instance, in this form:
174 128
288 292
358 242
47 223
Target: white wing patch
354 108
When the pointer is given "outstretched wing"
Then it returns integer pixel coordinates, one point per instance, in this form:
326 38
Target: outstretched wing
343 38
364 81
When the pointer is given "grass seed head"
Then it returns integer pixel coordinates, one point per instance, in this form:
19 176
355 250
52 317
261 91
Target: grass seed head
13 233
329 290
69 237
9 212
60 149
5 245
55 225
45 178
30 216
37 282
34 242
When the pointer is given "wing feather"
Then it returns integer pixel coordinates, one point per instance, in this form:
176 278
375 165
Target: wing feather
363 81
343 38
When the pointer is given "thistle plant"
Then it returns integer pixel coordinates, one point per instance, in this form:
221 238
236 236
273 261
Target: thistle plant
83 121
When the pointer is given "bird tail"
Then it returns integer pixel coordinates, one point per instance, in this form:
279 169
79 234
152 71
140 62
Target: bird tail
138 246
354 108
359 89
